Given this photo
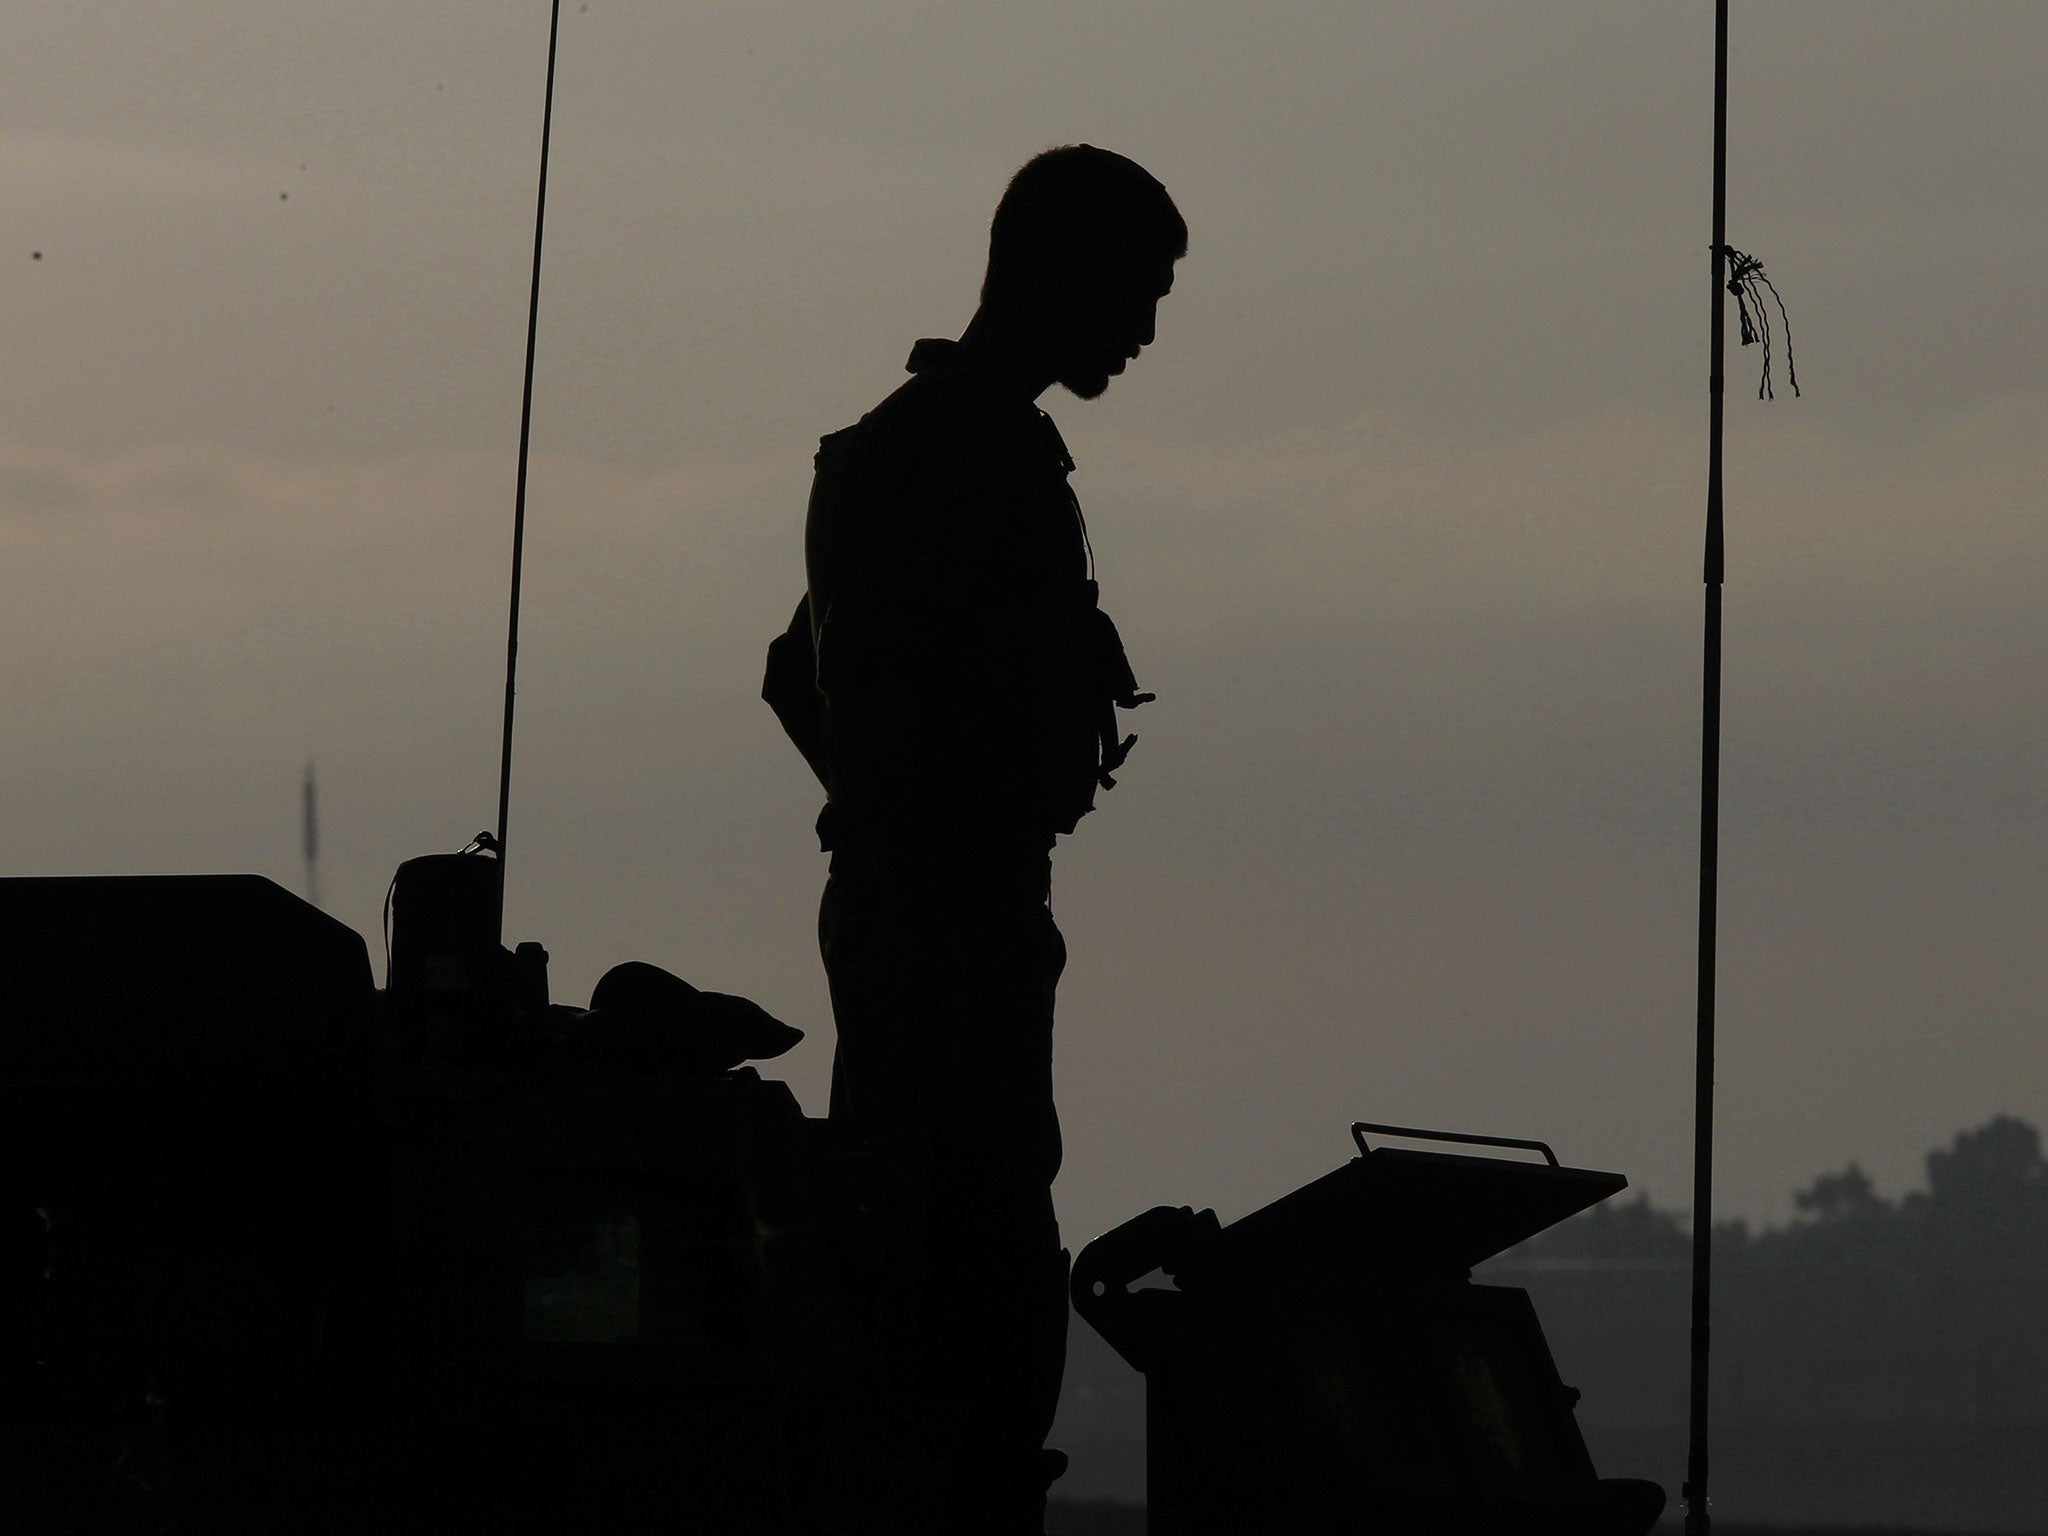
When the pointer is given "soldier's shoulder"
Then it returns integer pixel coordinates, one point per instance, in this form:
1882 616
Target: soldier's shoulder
942 415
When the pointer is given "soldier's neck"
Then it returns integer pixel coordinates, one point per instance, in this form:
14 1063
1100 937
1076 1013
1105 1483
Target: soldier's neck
1010 346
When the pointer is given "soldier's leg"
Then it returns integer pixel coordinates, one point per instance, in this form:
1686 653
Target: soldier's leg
1002 1319
943 990
886 975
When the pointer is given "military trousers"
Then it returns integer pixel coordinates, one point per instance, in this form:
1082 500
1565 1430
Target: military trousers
942 973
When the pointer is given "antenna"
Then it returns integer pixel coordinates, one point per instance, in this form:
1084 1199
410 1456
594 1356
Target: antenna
540 213
1698 1518
312 836
1741 277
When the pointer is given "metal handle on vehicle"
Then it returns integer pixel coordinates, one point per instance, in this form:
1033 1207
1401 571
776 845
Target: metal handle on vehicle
1360 1127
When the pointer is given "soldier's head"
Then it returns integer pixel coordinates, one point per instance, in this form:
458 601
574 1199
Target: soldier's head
1081 251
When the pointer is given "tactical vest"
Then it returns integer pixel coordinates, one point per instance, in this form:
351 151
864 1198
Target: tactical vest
793 688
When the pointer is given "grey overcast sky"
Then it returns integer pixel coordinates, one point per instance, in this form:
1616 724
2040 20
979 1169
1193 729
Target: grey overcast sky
1401 518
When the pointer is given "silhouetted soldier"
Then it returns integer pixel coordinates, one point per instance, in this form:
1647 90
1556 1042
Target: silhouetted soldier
969 685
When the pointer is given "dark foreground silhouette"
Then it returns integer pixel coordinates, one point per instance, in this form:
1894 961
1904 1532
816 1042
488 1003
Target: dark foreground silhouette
284 1251
1326 1364
287 1253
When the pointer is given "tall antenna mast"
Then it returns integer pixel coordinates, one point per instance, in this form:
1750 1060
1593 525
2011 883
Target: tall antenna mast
540 214
312 836
1698 1517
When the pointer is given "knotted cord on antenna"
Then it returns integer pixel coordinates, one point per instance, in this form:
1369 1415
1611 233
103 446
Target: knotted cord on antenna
1747 283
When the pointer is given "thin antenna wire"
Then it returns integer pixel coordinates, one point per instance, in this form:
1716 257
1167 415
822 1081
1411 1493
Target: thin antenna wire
540 216
1698 1516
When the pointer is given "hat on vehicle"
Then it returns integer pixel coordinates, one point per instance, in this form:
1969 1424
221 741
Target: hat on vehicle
654 1019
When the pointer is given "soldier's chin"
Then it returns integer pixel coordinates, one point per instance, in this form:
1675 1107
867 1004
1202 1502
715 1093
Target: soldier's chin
1087 385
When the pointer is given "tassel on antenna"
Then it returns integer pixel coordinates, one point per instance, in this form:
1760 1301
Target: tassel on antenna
1745 279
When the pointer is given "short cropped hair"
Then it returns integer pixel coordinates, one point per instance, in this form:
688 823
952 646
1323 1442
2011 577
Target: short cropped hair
1079 205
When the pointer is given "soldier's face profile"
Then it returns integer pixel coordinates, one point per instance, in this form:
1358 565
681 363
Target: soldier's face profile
1107 317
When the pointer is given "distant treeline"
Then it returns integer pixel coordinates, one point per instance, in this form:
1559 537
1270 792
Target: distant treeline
1927 1309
